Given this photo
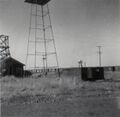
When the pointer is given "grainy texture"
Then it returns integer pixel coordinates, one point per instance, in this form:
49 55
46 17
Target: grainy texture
65 97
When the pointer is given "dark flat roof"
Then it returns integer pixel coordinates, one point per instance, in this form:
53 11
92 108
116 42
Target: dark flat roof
39 2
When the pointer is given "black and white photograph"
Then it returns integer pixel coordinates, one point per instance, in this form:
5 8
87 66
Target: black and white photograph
59 58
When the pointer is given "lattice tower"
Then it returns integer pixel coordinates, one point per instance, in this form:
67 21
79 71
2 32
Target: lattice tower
4 47
41 50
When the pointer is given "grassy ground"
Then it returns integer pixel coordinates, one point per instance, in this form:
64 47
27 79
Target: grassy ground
75 107
59 97
11 86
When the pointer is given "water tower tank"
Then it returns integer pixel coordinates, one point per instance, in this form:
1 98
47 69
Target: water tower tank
39 2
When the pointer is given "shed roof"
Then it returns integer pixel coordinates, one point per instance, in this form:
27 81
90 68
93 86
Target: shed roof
12 59
39 2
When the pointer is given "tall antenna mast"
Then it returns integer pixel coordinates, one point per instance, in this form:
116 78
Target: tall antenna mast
41 50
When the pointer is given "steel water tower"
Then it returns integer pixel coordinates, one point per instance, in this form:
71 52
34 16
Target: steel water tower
41 50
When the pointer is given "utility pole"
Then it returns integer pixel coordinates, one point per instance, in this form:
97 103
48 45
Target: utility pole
85 64
99 53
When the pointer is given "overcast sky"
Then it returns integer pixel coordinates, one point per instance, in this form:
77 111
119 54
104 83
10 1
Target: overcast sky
79 26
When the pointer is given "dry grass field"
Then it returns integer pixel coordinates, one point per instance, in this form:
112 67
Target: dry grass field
11 86
59 97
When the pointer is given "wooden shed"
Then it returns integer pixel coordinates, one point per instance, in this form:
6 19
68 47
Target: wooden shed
10 66
92 73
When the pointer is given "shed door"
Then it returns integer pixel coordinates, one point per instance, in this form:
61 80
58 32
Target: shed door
89 71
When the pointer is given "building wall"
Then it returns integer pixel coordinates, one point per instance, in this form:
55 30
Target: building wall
109 72
11 67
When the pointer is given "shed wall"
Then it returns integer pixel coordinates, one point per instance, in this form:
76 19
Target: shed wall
11 67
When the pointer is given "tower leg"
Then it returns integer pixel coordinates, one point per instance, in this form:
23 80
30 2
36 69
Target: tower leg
41 44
